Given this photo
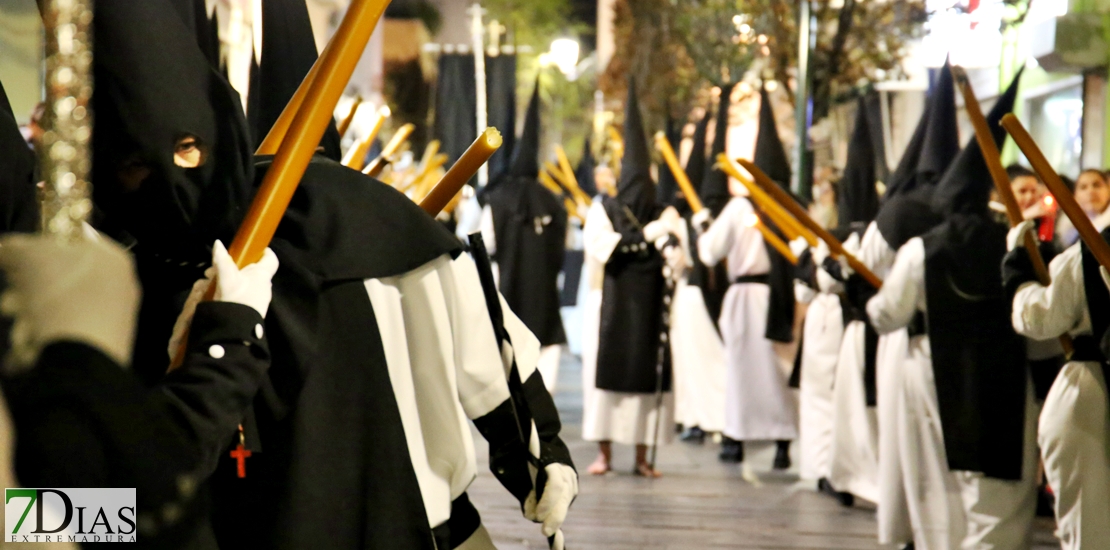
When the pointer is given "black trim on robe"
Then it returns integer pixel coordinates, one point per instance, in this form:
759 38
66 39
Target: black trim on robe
780 279
713 281
979 363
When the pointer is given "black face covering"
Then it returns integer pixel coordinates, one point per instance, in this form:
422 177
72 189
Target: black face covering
154 88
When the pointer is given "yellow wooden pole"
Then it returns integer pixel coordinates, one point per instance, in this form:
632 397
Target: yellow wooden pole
356 158
347 120
452 182
792 227
664 148
802 216
399 137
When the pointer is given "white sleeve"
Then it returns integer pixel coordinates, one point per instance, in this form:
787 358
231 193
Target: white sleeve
489 236
482 384
874 251
470 213
903 292
802 293
526 347
1041 312
715 244
599 238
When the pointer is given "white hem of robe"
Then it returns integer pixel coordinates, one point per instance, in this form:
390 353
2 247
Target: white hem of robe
698 360
823 332
855 462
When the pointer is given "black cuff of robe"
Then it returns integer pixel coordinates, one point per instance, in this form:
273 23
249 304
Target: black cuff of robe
832 267
1017 269
219 323
508 454
859 292
632 244
806 270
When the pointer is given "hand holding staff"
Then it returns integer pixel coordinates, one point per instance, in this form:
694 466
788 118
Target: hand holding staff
1091 237
475 156
792 227
800 214
1002 181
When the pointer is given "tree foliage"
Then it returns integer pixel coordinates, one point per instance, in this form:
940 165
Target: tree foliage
686 46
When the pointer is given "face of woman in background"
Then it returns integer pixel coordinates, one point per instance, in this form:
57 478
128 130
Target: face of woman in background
1092 193
1028 191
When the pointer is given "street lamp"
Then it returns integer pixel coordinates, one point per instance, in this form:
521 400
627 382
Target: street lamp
564 54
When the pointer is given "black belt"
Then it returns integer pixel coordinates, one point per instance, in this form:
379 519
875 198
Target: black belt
919 326
1087 349
763 279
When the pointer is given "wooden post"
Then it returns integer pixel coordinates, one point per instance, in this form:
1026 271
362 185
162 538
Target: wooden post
1001 180
1078 217
800 214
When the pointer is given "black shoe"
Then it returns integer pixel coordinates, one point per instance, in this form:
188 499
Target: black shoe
908 546
846 500
678 427
782 456
693 435
732 451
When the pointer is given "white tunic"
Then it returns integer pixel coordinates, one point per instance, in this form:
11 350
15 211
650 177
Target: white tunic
822 333
626 418
445 368
697 355
947 509
758 403
1073 426
855 454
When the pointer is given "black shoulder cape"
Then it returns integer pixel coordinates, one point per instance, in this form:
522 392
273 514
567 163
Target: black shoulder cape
978 360
631 309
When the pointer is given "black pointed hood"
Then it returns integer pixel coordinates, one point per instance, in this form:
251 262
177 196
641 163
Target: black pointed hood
770 155
668 193
19 209
635 188
153 86
935 141
966 186
526 151
695 165
859 200
585 171
288 52
714 183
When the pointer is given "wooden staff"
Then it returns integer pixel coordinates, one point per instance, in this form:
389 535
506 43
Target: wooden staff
356 157
569 178
792 227
329 76
468 164
276 135
569 185
347 120
399 137
1001 180
800 214
664 148
1078 217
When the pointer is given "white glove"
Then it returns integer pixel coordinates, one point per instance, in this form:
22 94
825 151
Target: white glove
851 246
798 245
656 229
671 217
558 493
250 286
820 252
83 291
1016 236
701 219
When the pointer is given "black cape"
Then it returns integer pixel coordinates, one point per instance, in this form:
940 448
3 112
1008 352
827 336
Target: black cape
978 360
19 206
770 156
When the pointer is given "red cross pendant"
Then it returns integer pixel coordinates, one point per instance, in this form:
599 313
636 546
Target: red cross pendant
240 454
